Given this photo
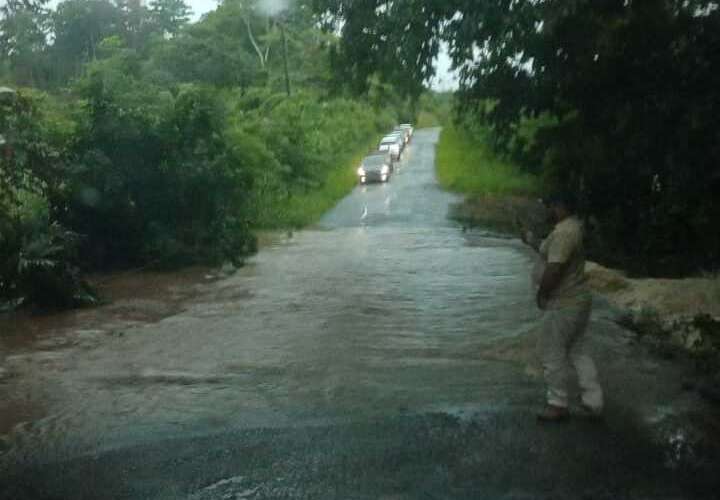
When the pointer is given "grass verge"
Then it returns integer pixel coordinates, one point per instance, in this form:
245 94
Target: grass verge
466 165
427 119
304 209
497 192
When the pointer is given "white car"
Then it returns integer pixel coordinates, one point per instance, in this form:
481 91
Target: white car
393 144
408 127
404 132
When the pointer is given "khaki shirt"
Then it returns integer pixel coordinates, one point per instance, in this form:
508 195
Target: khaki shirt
565 246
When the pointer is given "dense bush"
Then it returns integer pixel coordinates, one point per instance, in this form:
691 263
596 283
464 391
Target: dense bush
38 259
165 144
154 176
299 142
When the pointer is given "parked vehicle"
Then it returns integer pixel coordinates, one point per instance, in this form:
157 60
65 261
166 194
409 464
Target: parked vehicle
375 168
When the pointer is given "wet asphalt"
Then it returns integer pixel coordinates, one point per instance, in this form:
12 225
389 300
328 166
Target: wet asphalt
385 354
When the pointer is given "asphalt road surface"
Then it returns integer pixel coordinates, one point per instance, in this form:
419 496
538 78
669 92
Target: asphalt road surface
384 354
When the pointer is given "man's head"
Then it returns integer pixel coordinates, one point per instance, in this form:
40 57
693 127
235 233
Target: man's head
560 205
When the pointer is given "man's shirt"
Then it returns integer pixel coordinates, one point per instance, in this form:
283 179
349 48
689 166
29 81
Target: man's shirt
565 246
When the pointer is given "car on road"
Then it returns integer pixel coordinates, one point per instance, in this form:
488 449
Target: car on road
405 133
386 155
375 168
394 144
408 127
400 133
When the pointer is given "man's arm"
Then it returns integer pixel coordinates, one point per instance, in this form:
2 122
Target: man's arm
560 250
529 239
550 280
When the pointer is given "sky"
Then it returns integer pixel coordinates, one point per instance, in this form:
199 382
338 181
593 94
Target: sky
445 79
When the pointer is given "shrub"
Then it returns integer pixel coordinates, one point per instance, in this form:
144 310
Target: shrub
37 255
155 176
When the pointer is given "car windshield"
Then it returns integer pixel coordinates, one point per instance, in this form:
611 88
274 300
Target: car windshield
374 161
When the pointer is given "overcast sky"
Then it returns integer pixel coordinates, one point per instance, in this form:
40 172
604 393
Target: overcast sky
444 80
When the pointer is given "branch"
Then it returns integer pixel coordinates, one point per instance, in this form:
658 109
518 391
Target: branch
255 45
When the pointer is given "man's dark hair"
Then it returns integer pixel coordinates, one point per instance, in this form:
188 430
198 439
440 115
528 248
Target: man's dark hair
562 198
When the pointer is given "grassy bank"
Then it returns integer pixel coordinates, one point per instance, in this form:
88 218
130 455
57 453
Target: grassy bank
466 165
307 208
427 119
498 193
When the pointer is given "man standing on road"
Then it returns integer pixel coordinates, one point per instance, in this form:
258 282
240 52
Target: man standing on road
567 303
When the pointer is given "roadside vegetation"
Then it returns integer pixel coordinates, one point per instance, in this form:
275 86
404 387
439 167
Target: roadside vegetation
137 138
616 101
434 110
466 164
130 138
309 206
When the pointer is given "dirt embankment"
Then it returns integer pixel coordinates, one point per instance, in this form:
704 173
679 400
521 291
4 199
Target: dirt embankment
670 297
686 310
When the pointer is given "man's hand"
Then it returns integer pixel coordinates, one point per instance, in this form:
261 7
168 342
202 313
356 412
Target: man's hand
524 235
528 238
550 280
523 231
542 301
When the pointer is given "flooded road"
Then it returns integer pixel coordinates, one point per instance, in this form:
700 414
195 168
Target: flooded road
385 353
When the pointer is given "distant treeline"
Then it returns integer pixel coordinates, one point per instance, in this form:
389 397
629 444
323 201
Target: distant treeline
131 138
615 100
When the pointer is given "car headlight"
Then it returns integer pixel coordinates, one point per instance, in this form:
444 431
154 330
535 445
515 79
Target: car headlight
361 172
385 170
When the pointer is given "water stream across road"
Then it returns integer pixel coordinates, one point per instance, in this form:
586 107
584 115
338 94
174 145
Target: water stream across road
386 327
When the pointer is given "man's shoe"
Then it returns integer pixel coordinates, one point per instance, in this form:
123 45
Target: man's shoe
553 413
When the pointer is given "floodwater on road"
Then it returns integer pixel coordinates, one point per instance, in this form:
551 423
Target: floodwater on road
385 327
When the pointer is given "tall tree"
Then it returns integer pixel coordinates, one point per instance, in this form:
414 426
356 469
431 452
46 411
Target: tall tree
79 26
23 39
136 23
170 16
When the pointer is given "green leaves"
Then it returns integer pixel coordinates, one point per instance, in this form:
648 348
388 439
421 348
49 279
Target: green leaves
167 143
37 255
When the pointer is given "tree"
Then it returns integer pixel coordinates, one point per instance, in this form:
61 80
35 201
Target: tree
23 39
214 51
78 27
170 16
37 254
398 41
137 25
630 86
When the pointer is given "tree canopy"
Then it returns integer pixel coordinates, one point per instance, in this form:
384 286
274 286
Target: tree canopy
626 93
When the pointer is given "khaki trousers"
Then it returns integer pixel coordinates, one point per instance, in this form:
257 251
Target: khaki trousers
562 343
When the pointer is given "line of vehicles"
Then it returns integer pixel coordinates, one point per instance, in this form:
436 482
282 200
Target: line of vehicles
380 165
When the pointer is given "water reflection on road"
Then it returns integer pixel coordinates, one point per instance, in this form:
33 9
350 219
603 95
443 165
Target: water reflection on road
382 307
386 308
